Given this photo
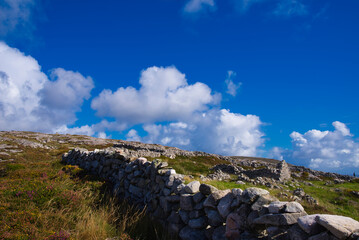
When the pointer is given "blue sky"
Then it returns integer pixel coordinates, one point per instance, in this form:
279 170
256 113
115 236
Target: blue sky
272 78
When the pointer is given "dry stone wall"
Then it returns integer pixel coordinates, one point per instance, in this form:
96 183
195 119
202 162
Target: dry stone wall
200 211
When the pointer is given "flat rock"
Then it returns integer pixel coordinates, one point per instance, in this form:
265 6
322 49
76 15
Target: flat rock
340 226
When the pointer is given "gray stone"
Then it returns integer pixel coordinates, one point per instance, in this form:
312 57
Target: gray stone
198 223
184 216
219 233
263 200
174 218
237 192
234 226
293 207
198 197
192 187
214 219
224 205
207 189
162 165
198 206
174 228
166 192
188 233
186 202
339 226
251 194
173 198
309 225
279 219
276 207
296 233
196 214
135 191
323 236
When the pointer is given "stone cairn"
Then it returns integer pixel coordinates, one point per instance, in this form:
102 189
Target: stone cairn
200 211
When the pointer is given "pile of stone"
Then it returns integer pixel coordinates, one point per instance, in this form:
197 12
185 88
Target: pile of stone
200 211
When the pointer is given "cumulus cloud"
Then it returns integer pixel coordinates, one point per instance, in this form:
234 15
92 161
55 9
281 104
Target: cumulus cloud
194 6
325 150
30 101
232 87
216 131
16 14
164 95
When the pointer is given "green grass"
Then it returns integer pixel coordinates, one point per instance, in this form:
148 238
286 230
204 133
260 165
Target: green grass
40 198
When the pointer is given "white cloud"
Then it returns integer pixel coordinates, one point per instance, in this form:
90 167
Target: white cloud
232 87
83 130
30 101
164 95
215 131
194 6
325 150
16 14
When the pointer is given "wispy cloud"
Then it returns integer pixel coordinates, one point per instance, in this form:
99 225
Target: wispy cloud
18 15
232 87
289 8
195 6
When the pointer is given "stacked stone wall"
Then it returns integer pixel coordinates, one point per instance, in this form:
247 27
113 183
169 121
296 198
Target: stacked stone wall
200 211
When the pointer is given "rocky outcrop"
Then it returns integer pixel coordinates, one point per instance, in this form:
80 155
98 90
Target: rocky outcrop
201 211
